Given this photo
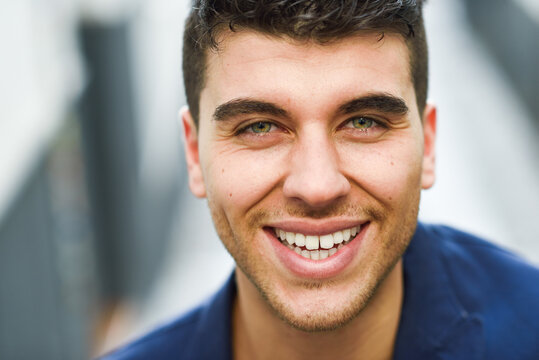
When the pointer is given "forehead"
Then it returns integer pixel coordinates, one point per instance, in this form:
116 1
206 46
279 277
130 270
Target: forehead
250 64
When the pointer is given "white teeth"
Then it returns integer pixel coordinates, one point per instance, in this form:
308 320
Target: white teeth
311 242
326 241
338 237
346 234
290 238
300 240
317 247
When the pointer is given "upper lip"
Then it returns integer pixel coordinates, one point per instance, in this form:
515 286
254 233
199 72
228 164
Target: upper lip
315 227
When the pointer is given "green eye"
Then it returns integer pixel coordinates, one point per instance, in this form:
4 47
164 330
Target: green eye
261 127
362 123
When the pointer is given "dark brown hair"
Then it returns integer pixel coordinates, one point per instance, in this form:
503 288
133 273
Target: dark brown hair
317 20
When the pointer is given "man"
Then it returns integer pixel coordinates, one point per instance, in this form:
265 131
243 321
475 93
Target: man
309 133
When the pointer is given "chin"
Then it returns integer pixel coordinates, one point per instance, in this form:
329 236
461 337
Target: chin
322 318
320 306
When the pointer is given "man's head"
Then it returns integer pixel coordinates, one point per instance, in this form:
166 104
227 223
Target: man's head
317 21
310 138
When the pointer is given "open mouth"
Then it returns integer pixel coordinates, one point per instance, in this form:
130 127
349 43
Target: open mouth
317 247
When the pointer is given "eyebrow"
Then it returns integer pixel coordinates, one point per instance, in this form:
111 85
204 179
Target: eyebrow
247 106
383 102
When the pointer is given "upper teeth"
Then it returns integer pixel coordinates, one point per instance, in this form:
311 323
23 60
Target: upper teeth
315 242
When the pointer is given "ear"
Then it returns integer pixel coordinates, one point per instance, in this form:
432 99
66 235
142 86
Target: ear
429 153
194 170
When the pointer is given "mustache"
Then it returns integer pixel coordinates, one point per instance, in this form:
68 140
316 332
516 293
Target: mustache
260 216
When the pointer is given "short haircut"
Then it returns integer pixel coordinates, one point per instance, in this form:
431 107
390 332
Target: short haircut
320 21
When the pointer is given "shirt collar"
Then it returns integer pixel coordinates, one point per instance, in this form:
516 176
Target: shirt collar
434 324
212 335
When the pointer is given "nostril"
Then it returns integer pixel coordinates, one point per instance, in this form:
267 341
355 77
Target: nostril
317 190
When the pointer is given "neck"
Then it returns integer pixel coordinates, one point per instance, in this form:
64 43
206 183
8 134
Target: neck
259 334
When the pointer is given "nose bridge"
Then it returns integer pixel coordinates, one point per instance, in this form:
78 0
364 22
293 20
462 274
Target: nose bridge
315 175
317 154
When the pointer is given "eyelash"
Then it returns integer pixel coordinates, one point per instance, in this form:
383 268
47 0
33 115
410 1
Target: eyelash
246 128
374 123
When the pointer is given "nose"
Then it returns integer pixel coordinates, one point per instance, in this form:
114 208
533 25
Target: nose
314 175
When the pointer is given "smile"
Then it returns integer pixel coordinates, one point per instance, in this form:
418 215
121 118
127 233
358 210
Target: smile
317 247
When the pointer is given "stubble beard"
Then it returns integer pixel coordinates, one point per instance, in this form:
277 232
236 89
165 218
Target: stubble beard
392 239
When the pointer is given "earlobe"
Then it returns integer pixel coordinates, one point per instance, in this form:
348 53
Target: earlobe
428 175
194 170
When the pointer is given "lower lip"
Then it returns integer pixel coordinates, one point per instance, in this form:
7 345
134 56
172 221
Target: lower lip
317 269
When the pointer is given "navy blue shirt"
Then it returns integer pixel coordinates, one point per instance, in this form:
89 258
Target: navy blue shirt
464 298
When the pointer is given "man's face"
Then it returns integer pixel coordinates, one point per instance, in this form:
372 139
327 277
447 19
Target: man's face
307 141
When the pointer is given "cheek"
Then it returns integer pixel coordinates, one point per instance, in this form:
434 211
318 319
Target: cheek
238 179
387 171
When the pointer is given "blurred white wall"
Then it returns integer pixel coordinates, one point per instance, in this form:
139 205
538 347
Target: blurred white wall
41 77
487 148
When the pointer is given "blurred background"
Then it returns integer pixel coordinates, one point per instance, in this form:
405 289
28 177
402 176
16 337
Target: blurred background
100 239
